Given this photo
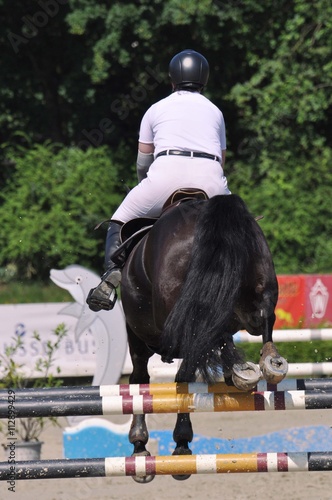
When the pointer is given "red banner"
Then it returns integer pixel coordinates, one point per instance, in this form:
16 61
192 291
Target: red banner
318 292
305 301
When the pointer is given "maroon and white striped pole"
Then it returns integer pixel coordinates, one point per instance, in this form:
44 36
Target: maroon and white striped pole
168 465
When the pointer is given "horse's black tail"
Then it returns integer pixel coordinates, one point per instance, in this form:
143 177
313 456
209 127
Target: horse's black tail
195 328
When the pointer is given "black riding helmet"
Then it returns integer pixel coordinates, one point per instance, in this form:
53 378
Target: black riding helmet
189 69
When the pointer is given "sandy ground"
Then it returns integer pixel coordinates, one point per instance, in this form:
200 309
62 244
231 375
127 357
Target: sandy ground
240 486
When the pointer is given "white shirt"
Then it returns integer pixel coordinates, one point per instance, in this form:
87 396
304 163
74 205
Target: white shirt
186 121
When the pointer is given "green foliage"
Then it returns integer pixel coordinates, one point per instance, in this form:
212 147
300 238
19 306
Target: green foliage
30 292
296 202
51 204
315 351
85 74
15 377
283 167
285 102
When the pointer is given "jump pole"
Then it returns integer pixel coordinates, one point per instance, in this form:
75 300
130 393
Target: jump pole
317 384
168 465
168 403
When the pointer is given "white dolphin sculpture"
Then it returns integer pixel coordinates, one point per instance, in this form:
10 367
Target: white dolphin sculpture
108 328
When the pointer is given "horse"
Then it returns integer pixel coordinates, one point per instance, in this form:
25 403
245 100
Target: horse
203 272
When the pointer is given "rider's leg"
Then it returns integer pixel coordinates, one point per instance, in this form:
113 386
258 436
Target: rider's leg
104 295
165 175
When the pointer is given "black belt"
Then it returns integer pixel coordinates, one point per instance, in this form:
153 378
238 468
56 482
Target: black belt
192 154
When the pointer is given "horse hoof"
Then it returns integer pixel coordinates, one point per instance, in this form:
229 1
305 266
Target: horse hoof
182 478
246 376
274 369
181 451
143 479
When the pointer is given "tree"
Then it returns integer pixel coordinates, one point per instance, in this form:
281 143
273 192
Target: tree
285 154
51 206
83 74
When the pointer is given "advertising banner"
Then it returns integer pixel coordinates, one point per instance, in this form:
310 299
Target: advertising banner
75 357
318 292
290 307
305 301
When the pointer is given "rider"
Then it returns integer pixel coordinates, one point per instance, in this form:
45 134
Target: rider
182 144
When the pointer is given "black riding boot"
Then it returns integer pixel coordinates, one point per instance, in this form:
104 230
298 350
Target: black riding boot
104 295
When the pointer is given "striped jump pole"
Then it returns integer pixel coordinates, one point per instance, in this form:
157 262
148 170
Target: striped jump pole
168 465
294 335
167 403
72 392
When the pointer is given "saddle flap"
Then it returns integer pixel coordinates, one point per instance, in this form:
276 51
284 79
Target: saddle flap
134 226
131 233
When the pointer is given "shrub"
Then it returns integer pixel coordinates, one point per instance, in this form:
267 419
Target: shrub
51 204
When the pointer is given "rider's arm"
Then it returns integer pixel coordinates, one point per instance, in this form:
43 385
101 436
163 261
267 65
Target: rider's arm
223 158
144 159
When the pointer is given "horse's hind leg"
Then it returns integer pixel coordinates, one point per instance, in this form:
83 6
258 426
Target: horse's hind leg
138 434
243 374
274 367
260 322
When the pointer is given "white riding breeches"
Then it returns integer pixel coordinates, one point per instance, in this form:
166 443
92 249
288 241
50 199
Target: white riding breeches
166 175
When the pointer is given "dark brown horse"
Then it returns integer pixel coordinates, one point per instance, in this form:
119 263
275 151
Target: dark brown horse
201 274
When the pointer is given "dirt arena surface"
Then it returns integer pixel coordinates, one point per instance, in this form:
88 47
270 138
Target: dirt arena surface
240 486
